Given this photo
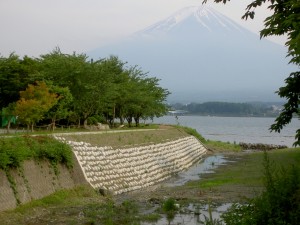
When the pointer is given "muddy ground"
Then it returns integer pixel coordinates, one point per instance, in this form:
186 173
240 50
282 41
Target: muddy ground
220 195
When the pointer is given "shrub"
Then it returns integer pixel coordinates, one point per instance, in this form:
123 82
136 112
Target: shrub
278 204
169 205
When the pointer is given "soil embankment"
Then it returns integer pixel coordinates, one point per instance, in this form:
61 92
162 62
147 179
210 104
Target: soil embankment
109 162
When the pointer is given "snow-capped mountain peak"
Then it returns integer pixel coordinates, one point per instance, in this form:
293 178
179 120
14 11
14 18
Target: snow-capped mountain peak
199 53
205 17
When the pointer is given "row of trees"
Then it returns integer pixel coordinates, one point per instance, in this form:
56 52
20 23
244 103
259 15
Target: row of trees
72 88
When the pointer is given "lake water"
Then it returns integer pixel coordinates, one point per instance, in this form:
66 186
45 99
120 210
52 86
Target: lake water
236 129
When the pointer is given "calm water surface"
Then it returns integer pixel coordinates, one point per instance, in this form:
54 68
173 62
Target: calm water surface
236 129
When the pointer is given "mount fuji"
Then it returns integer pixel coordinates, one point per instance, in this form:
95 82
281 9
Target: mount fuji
201 55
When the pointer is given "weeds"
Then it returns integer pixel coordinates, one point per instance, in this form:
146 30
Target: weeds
209 220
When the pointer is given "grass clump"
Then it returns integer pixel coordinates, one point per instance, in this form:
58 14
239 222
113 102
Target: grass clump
169 205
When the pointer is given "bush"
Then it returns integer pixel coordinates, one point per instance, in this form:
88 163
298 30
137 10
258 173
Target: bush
92 121
278 204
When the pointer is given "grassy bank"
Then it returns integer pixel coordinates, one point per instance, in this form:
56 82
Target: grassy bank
244 176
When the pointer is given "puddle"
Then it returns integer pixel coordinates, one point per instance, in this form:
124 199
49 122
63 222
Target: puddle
193 214
194 173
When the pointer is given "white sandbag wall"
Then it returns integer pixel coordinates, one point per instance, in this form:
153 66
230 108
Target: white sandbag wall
128 169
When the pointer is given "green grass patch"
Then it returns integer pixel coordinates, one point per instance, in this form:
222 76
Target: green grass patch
128 137
154 217
218 182
63 197
15 150
247 170
191 131
219 146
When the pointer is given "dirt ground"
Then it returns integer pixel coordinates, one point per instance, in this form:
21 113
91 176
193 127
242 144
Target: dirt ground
76 212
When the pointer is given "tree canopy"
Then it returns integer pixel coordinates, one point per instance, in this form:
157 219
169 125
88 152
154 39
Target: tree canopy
75 90
285 20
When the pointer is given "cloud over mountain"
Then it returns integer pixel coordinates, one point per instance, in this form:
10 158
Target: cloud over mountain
200 55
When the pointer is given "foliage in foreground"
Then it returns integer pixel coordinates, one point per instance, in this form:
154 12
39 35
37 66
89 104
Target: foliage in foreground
278 204
15 150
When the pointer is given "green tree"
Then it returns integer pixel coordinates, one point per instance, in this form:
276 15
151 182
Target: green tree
15 74
35 101
146 98
88 81
72 71
60 110
285 20
8 116
110 81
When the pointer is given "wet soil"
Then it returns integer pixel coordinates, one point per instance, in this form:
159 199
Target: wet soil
219 195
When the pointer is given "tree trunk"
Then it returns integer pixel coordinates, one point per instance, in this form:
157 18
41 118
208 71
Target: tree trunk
85 116
114 116
85 123
121 120
53 124
79 123
129 120
137 121
8 126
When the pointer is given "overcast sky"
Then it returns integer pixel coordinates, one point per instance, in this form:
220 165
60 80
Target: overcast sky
35 27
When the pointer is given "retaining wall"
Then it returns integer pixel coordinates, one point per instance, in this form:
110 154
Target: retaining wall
36 180
128 169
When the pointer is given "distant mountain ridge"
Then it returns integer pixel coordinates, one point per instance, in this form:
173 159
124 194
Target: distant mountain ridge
201 55
229 109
